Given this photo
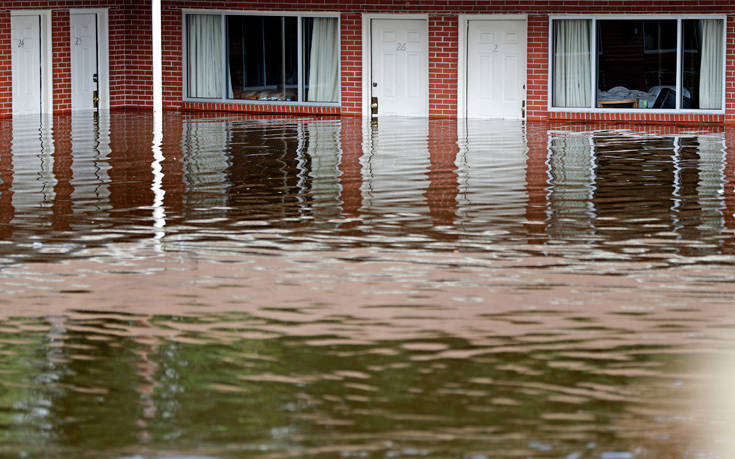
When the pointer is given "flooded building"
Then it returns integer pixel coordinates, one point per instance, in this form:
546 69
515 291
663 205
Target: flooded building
617 60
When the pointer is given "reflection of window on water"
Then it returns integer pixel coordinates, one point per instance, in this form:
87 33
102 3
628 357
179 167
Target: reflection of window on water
263 55
637 63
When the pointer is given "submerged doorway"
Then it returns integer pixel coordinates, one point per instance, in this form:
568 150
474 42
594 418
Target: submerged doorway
88 40
494 80
30 62
399 67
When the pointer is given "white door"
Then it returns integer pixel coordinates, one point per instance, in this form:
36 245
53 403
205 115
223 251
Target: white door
496 69
400 66
25 32
83 60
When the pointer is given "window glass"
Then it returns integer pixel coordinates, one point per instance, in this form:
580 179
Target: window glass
636 64
702 64
204 56
262 56
572 63
321 57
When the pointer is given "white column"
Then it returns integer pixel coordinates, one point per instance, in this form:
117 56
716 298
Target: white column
157 65
159 214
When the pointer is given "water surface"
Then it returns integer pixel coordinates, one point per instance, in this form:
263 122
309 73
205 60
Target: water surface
260 287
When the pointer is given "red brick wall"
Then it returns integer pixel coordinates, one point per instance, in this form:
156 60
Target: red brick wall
138 53
730 71
443 42
130 49
351 65
61 52
537 67
443 35
122 53
6 75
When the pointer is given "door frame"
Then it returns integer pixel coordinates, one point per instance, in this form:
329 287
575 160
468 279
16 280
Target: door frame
47 84
367 54
103 52
462 52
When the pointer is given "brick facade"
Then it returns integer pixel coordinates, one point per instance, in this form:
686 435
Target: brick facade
443 25
130 51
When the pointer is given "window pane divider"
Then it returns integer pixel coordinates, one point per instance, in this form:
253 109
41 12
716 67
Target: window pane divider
679 69
593 63
223 43
300 59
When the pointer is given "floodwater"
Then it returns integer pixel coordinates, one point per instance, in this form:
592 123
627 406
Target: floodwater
270 288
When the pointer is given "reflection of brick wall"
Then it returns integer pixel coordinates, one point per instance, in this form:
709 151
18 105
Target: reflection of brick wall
62 209
537 139
173 164
7 211
441 195
729 172
130 161
350 168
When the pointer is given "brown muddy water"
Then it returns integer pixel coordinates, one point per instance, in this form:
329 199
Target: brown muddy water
324 288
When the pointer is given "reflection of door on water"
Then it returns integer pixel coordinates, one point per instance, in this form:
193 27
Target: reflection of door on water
492 174
84 84
395 169
400 66
496 68
90 153
32 152
26 64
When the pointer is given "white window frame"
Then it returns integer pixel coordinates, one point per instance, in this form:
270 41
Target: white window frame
594 18
223 15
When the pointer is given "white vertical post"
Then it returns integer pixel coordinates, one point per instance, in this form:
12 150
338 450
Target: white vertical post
156 51
679 46
159 215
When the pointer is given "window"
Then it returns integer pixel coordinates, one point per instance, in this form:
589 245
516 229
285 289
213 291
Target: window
263 58
668 63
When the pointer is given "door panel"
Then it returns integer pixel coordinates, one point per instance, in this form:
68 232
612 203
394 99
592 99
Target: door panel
26 64
83 60
400 66
496 68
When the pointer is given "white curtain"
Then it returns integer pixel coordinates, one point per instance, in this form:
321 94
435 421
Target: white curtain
572 63
710 73
323 74
205 56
